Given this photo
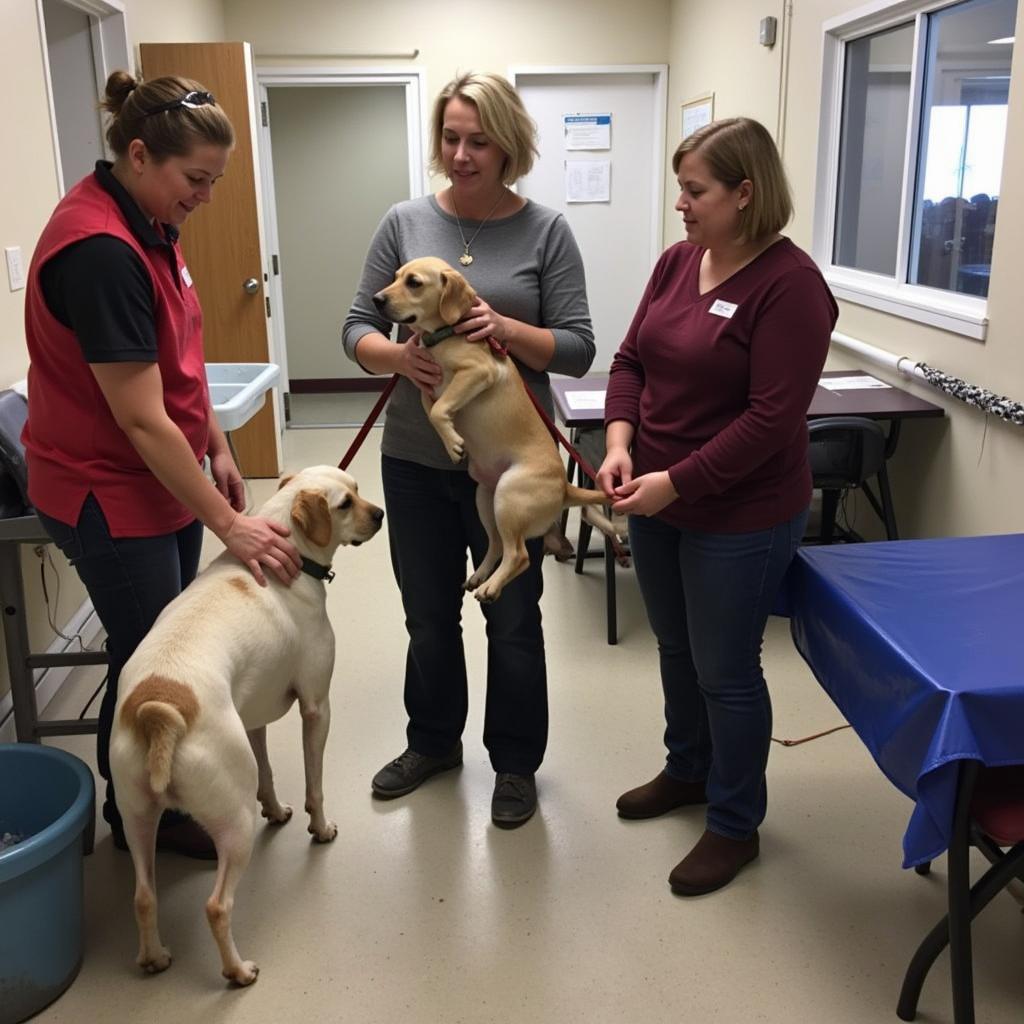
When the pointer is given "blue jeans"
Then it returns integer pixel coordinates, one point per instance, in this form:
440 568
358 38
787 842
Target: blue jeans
708 596
432 521
129 580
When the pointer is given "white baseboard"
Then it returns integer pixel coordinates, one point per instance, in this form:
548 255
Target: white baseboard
84 622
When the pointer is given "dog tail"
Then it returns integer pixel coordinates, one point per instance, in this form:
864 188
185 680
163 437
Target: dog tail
162 725
587 500
160 711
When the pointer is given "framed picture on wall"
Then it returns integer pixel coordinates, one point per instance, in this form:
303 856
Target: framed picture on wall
697 113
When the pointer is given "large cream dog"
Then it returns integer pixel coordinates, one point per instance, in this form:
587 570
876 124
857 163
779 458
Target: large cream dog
224 659
481 409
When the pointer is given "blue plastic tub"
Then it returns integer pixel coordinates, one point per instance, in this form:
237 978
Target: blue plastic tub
46 797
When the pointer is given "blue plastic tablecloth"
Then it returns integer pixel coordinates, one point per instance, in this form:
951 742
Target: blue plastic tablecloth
921 646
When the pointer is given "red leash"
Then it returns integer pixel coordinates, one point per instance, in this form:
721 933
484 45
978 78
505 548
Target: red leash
573 453
347 458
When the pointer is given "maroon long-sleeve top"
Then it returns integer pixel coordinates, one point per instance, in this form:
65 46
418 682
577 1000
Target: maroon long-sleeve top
717 385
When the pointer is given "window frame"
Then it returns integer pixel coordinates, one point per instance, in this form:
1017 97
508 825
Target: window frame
966 315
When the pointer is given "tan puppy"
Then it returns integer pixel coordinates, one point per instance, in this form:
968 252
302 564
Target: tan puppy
481 408
225 658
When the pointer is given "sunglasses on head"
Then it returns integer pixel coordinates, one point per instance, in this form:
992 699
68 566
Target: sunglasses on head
191 100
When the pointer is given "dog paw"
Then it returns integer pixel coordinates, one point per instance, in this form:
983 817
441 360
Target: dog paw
154 963
325 833
277 815
472 583
456 449
245 972
486 594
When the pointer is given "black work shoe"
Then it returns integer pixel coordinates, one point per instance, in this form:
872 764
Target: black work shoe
514 800
409 769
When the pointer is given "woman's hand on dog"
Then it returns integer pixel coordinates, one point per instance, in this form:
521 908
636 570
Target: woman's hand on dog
416 363
616 469
482 322
260 542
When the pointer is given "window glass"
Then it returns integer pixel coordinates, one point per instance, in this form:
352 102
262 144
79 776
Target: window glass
876 100
960 153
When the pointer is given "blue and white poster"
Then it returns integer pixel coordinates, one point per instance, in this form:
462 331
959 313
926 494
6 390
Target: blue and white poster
588 131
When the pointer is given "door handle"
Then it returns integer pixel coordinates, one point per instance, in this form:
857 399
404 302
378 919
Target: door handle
251 286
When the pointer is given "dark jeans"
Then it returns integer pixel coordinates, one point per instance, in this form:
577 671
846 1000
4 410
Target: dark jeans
432 520
129 580
708 596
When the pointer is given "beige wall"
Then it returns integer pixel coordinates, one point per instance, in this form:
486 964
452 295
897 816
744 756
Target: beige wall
709 53
28 193
960 476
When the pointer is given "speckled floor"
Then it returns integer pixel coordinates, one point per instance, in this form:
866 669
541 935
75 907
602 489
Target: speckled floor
422 911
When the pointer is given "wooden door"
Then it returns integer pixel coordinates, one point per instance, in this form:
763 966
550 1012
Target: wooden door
221 241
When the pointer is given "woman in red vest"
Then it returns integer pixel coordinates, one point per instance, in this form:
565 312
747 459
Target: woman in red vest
119 416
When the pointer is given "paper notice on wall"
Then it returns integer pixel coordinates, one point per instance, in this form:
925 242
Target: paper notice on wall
852 383
588 181
588 131
585 399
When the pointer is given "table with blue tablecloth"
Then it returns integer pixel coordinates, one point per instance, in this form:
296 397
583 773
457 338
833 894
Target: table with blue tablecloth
921 646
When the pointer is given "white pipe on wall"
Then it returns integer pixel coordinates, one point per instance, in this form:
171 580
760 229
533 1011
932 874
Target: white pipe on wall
901 364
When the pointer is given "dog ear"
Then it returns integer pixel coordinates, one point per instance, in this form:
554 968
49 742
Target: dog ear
312 515
285 480
456 297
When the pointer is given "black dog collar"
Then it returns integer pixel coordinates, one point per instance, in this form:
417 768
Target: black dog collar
428 339
316 570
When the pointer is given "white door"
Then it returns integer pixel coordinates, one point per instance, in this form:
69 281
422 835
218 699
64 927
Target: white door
620 239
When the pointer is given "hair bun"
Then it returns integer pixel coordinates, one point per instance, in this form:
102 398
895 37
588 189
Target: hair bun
120 85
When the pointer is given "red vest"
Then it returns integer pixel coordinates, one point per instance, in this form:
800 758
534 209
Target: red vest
72 443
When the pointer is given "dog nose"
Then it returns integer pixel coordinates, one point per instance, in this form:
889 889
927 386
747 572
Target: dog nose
377 515
379 300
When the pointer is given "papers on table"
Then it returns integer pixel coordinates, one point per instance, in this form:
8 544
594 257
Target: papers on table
585 399
852 383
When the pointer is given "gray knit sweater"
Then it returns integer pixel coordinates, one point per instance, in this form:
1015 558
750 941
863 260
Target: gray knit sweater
526 266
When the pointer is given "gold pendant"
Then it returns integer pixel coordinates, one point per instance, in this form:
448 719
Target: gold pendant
465 259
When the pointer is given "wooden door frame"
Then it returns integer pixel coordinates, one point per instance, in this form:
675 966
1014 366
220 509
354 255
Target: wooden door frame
413 80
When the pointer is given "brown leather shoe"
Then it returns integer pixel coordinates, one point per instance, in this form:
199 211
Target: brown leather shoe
659 796
715 861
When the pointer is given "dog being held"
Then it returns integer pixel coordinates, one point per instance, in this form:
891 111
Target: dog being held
481 409
224 659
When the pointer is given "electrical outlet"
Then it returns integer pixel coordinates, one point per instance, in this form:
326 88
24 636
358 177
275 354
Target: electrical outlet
15 267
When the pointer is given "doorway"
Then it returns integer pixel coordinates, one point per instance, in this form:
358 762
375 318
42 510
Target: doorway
85 42
337 149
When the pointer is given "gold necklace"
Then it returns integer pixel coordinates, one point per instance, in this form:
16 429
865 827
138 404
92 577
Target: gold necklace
465 259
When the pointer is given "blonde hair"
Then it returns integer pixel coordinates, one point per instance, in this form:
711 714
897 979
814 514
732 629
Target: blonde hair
170 133
503 119
739 148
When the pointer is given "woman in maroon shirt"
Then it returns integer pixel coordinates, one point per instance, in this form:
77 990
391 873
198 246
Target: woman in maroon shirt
706 443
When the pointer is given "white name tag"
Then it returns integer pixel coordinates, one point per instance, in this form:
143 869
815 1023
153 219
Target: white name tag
722 308
187 278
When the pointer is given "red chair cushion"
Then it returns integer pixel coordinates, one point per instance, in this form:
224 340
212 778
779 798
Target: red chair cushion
998 804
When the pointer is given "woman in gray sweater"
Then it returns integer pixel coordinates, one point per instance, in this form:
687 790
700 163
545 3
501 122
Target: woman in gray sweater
523 261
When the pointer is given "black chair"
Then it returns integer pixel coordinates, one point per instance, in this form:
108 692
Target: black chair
845 453
19 525
989 814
